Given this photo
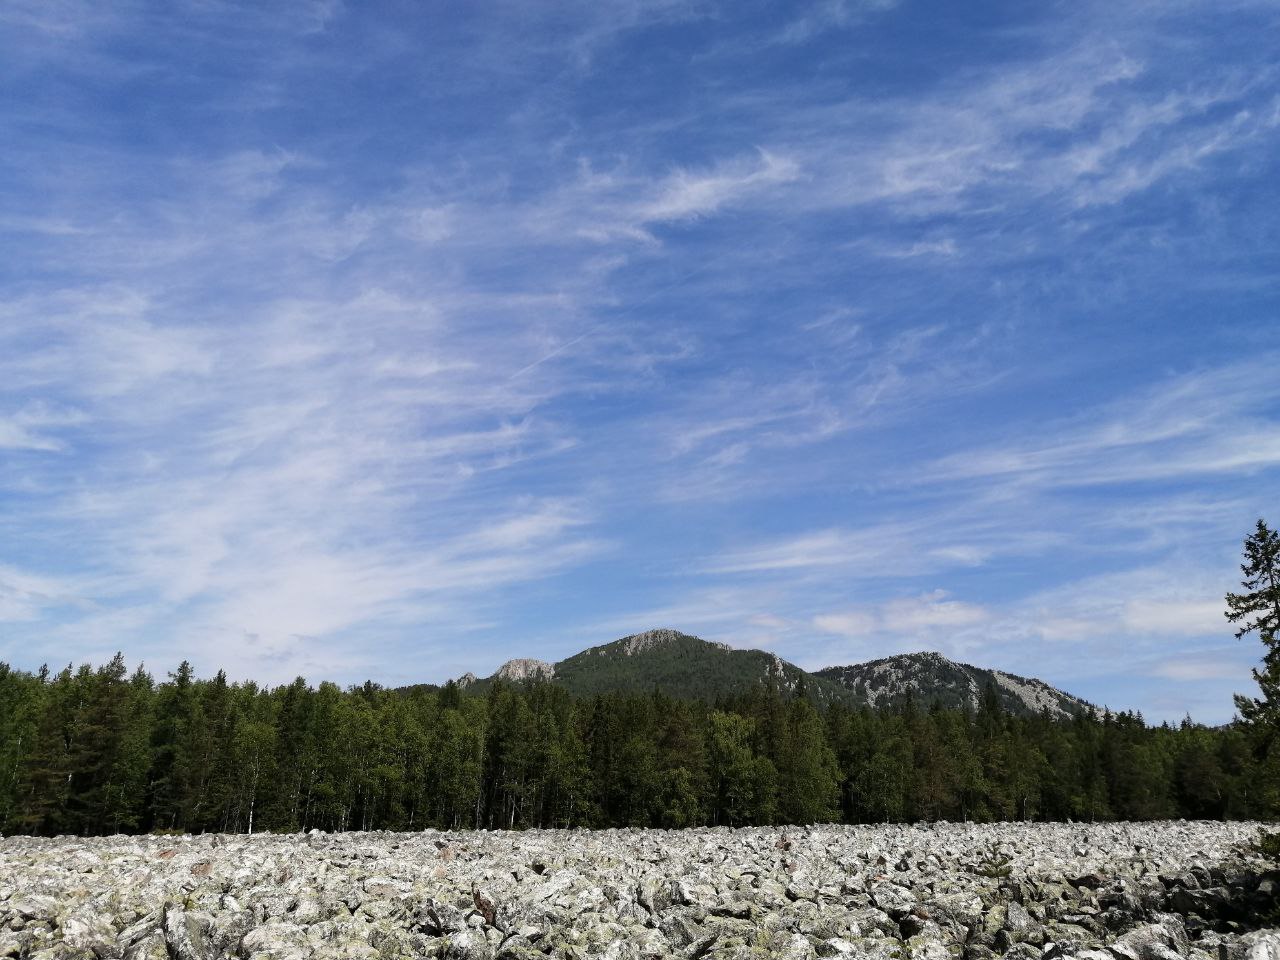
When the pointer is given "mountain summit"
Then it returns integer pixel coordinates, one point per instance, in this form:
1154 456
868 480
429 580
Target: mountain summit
929 677
685 666
688 667
526 669
653 639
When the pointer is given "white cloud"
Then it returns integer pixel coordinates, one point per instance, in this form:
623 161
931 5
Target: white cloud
828 548
1173 617
1200 423
931 610
27 597
1080 127
827 15
1195 667
855 624
290 400
15 435
32 426
685 194
911 616
1169 600
961 535
923 248
294 473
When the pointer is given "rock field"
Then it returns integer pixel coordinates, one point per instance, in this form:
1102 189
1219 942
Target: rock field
928 892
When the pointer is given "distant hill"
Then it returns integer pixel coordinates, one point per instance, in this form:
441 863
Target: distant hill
676 663
930 677
688 667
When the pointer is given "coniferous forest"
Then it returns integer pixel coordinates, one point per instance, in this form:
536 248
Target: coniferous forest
96 751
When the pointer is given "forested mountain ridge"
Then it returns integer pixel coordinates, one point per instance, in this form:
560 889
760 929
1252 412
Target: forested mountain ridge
690 668
678 664
930 677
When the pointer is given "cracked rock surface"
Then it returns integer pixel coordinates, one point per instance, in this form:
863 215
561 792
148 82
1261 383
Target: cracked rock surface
1146 891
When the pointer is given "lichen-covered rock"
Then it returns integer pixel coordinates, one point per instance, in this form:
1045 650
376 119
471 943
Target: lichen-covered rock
275 938
1163 940
468 945
150 947
31 907
924 892
1258 945
187 934
894 900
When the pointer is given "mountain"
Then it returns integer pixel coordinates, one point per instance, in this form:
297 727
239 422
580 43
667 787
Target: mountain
931 676
687 667
676 663
690 668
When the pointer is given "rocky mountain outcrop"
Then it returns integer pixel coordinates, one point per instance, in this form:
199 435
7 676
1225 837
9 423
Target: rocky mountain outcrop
927 892
930 676
650 640
526 669
682 665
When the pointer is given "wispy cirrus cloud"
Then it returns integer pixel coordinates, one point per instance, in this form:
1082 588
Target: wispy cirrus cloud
928 611
1214 421
35 426
685 194
331 348
831 15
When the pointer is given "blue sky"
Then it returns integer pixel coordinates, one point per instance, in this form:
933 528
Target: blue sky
393 340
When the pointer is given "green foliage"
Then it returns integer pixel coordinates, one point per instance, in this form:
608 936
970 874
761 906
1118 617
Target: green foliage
809 778
1257 610
1268 844
688 668
995 863
744 782
99 750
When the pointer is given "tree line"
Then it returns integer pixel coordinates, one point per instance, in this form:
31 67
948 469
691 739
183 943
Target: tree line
94 751
101 750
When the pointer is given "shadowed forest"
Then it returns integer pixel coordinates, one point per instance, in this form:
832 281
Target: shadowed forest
99 751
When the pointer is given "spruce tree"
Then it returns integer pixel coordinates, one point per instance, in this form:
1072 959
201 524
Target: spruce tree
46 770
1257 609
809 777
21 697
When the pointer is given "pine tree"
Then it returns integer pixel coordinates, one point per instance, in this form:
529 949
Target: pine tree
97 748
124 802
809 778
1258 610
1201 783
933 786
20 704
44 776
683 757
744 784
213 761
638 786
293 760
173 708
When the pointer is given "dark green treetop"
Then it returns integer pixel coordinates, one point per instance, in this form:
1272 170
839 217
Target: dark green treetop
1257 609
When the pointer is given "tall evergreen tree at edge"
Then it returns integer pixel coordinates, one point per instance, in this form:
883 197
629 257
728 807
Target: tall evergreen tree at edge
1257 609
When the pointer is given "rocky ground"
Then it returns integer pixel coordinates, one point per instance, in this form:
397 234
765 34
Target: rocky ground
930 892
